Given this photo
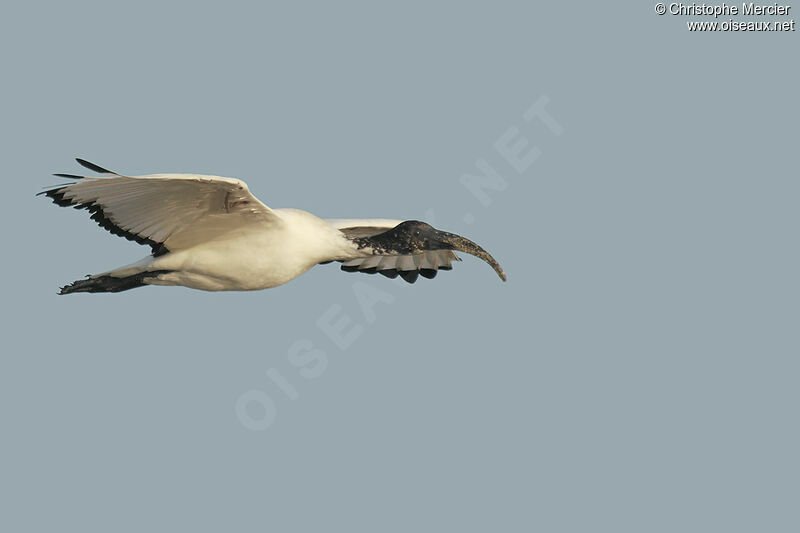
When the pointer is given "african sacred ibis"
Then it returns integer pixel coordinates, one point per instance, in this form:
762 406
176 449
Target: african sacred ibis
211 233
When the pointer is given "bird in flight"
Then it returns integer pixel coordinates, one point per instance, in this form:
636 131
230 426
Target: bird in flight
211 233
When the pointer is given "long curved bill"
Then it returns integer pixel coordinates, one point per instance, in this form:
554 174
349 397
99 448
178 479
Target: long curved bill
467 246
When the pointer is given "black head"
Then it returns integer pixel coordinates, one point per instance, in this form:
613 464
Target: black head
413 236
419 235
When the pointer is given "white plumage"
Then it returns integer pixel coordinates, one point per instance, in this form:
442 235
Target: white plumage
211 233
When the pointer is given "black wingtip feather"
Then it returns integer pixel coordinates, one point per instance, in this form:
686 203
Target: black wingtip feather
111 283
99 216
428 273
92 166
409 275
70 176
57 195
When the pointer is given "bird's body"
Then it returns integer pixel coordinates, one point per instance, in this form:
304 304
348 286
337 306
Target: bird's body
211 233
254 257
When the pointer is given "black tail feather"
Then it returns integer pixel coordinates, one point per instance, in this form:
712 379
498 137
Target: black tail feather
110 283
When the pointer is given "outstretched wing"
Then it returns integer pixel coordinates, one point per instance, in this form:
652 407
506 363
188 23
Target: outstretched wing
409 267
168 212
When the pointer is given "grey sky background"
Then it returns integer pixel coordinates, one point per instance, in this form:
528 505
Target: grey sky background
638 372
